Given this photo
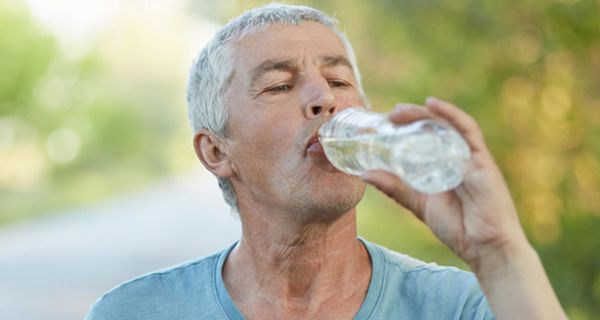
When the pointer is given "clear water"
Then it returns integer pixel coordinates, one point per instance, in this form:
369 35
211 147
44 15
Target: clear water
430 159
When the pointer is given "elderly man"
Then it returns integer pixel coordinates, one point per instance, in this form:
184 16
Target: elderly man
257 95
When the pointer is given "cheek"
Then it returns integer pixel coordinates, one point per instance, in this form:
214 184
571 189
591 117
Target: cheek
268 146
273 140
349 98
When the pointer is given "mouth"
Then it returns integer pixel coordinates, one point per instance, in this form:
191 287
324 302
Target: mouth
313 146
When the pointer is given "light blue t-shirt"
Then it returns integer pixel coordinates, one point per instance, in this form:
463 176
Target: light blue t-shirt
401 288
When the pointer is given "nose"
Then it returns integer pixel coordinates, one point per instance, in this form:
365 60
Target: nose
319 100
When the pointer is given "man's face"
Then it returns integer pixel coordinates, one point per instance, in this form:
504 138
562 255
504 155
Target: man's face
287 81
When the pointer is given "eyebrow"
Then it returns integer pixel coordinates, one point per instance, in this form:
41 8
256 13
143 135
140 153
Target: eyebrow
291 65
271 65
339 60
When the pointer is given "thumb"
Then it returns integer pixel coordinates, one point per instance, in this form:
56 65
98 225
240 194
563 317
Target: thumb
395 188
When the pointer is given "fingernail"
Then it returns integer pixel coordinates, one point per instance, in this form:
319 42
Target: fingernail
365 176
400 107
431 99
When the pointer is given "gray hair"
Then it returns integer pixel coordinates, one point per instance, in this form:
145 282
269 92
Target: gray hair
212 69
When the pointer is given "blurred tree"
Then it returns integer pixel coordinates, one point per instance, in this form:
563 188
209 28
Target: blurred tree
70 131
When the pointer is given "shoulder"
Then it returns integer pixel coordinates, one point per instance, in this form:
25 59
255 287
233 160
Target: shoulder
428 289
177 292
408 268
411 267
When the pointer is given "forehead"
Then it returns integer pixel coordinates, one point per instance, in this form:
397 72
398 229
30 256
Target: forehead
277 41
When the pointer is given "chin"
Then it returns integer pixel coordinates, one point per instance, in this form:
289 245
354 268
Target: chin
331 202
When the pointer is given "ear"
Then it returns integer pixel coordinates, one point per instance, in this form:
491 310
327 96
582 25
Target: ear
211 151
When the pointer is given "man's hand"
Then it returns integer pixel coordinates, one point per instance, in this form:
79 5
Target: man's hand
476 217
477 220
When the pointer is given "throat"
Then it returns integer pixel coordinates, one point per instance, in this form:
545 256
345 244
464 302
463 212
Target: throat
300 285
305 274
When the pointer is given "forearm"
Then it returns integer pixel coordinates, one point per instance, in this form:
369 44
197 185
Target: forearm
516 285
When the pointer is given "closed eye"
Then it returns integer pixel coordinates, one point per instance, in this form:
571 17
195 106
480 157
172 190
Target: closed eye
338 83
279 88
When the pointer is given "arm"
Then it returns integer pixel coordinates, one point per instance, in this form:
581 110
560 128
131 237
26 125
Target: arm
479 222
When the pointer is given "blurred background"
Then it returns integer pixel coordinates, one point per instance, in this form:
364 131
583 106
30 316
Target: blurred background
99 181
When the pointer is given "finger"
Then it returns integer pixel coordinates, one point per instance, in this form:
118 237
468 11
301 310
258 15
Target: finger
460 120
396 189
404 113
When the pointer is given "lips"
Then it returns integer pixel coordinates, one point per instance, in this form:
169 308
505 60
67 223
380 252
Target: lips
314 145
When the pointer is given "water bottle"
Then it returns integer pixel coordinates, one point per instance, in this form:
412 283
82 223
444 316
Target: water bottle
428 155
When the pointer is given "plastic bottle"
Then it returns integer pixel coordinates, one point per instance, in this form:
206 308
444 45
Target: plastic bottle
427 154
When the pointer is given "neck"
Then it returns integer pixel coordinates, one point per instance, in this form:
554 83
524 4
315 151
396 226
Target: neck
297 266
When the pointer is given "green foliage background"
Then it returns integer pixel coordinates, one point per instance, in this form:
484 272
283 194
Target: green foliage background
121 127
528 71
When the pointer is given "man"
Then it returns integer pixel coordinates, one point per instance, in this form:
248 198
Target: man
258 94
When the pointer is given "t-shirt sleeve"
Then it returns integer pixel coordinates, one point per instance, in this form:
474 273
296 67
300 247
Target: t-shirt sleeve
122 303
104 309
473 300
484 312
146 298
